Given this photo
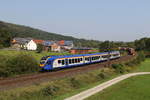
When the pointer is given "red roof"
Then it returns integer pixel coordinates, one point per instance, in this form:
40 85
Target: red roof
61 42
38 41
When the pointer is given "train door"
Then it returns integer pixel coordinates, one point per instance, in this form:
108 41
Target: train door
90 58
66 62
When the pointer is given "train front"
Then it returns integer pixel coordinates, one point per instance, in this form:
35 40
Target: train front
46 63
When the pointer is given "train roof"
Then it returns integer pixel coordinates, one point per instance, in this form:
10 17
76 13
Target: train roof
78 55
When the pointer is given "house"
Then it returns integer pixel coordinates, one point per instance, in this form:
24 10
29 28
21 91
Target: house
24 43
81 50
51 46
55 47
66 45
38 41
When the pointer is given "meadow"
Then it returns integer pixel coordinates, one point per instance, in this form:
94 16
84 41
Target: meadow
134 88
69 86
37 56
14 63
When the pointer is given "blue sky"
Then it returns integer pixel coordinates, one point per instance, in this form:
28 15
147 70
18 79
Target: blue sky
117 20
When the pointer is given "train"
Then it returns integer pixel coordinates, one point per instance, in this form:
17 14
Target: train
48 63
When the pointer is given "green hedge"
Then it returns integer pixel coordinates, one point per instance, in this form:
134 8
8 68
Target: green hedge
18 64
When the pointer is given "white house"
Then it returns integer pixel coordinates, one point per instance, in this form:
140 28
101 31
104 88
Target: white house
31 45
24 43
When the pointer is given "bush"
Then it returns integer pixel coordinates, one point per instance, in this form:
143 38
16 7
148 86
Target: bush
75 83
3 66
18 64
138 60
22 64
50 90
39 48
102 75
119 68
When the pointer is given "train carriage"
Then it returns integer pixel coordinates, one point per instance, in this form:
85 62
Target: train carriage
53 62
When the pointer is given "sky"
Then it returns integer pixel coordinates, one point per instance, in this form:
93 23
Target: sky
114 20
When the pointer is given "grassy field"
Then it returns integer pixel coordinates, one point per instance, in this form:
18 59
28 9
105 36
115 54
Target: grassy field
37 56
144 67
135 88
68 87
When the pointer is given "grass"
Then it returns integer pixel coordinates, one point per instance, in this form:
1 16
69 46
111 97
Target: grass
135 88
34 92
66 89
144 67
37 56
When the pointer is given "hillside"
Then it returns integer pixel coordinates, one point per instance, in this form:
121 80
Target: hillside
25 31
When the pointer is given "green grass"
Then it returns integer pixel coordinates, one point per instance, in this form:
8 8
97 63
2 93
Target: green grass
65 89
34 92
37 56
135 88
144 66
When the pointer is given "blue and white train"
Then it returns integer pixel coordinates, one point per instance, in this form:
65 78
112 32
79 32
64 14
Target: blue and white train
65 61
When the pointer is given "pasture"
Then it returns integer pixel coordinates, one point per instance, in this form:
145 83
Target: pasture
135 88
37 56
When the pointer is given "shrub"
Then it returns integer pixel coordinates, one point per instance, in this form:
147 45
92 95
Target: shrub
22 64
138 60
119 68
18 64
50 90
102 75
3 66
75 83
39 48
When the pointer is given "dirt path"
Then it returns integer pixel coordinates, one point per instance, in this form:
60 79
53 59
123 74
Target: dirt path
102 86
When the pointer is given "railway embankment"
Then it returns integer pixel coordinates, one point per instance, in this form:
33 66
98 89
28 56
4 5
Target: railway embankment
67 82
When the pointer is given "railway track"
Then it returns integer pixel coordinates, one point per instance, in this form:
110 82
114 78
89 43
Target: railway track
36 78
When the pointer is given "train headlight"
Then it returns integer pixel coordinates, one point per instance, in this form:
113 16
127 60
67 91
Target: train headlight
41 65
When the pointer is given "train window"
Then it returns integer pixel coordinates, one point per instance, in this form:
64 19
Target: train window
115 54
63 62
76 60
106 56
48 62
59 61
69 61
88 59
80 59
72 60
85 58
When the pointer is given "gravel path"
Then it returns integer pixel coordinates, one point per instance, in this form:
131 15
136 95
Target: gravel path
102 86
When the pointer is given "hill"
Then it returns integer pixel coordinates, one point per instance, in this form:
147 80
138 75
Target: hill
25 31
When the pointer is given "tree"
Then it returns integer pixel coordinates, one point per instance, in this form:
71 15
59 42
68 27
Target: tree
39 48
5 38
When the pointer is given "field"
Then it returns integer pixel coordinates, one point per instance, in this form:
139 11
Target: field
68 87
37 56
144 67
135 88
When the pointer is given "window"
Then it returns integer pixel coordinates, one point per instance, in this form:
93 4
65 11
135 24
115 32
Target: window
59 61
69 61
72 60
106 56
76 60
80 59
115 54
48 62
63 62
